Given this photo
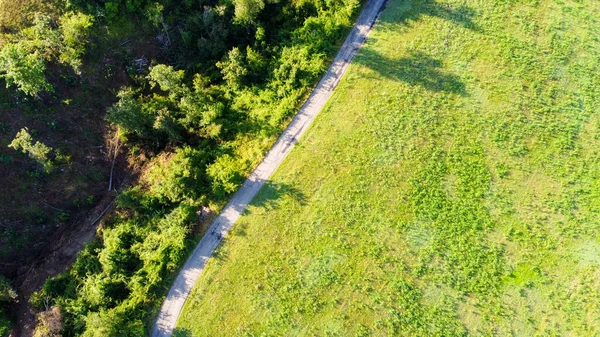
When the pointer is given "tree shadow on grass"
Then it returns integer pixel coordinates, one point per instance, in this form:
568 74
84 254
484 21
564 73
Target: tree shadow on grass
415 9
267 198
182 332
418 69
272 192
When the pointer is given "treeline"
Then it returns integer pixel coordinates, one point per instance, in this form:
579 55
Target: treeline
236 72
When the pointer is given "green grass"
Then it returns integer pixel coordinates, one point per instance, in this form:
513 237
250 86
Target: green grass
449 188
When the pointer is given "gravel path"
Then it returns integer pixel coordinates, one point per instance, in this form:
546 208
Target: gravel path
173 304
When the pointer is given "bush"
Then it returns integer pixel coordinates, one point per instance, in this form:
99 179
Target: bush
21 68
7 293
112 323
37 151
49 323
225 175
74 29
181 178
5 324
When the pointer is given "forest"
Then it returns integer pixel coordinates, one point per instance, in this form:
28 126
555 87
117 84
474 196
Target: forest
153 111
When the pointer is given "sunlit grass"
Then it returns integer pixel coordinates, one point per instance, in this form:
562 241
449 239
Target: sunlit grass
449 188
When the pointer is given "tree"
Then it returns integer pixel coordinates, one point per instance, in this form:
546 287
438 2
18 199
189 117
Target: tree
180 178
74 29
7 293
128 114
246 11
49 323
167 78
233 68
24 69
39 152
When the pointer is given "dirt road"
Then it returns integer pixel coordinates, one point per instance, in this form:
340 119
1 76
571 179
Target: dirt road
172 306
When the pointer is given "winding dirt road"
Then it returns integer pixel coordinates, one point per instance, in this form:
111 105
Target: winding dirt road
173 304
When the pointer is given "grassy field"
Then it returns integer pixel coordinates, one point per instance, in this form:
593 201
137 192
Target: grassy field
451 187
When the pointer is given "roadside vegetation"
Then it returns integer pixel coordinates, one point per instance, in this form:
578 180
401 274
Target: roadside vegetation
193 103
449 188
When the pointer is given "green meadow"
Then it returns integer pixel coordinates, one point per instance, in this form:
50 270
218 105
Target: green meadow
450 187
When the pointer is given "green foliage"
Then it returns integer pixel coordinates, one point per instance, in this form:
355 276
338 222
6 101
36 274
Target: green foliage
178 114
41 37
7 293
204 38
246 11
112 10
74 31
233 69
298 67
24 69
167 79
5 324
128 114
106 291
225 175
37 151
181 178
22 60
113 322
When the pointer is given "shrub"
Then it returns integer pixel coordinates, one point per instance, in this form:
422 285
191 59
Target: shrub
21 68
113 322
37 151
225 175
5 324
181 178
7 293
49 323
74 29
